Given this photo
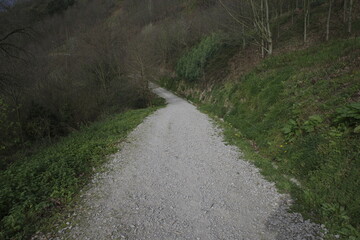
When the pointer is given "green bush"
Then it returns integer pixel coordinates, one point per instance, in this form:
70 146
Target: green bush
191 66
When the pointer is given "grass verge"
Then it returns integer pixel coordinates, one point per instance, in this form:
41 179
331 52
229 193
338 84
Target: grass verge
33 189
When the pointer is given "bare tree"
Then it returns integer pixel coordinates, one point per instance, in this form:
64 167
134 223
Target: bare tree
345 11
260 19
306 10
350 16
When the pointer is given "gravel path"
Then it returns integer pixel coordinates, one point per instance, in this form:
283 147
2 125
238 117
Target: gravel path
175 178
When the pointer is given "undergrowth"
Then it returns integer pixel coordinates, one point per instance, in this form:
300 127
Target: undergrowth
301 111
36 187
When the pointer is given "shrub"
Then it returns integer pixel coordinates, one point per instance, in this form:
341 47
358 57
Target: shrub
191 66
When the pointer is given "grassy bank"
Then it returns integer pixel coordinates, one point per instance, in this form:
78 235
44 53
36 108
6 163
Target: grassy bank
36 187
301 112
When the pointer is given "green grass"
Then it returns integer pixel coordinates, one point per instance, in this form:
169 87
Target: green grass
289 106
33 189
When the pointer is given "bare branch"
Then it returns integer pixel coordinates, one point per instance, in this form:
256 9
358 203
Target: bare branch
6 47
231 14
16 31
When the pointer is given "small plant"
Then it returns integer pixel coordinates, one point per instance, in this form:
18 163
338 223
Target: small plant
294 128
312 123
349 115
337 217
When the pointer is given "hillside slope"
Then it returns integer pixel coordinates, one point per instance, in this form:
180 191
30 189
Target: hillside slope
301 111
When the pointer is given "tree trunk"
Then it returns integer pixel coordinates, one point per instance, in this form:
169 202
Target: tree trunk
328 21
150 7
18 118
293 9
270 47
14 94
345 11
350 16
243 37
308 12
262 24
268 29
305 20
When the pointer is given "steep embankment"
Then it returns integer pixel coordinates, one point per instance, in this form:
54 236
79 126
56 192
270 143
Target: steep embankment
301 110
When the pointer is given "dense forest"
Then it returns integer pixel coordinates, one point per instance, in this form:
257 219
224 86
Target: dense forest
284 73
